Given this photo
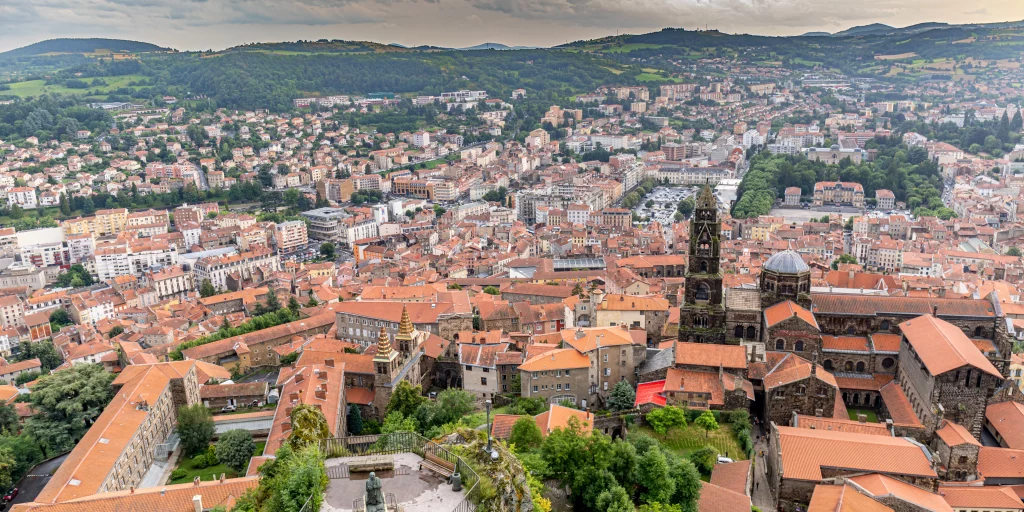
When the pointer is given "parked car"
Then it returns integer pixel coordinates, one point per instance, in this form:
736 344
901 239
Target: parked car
724 460
229 408
11 495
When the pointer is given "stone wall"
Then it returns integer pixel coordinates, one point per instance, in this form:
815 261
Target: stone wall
807 396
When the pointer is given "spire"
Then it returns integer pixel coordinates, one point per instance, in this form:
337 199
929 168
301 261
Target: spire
405 327
384 350
707 197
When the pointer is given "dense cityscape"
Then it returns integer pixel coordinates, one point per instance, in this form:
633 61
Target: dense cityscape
685 271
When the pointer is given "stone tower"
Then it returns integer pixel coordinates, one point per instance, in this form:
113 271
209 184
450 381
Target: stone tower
385 368
702 314
406 338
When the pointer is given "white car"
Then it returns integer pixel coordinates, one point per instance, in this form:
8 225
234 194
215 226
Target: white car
724 460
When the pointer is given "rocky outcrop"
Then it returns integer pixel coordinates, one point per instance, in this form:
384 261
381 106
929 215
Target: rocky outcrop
503 486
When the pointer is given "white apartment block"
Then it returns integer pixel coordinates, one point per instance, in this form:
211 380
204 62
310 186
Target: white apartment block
421 139
133 260
217 268
359 230
170 282
24 197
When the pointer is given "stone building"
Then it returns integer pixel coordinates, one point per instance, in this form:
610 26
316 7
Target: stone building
838 193
788 327
794 384
798 459
743 317
702 314
400 361
785 276
944 374
957 451
358 322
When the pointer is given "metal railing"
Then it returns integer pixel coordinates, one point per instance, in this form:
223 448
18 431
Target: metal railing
404 442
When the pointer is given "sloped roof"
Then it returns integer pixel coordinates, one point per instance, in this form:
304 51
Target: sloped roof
711 355
953 434
870 305
881 485
714 498
558 359
167 498
785 310
842 498
1008 418
987 497
805 452
1000 462
943 347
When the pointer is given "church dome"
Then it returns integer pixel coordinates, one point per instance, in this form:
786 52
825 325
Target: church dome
786 262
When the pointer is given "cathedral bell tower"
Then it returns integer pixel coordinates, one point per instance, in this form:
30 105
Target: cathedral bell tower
702 315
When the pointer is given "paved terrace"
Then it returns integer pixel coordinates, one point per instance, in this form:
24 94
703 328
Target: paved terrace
415 490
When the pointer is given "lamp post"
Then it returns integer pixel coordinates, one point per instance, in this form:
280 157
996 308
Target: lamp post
487 404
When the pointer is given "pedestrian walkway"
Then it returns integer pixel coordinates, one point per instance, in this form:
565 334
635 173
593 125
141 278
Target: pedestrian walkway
762 496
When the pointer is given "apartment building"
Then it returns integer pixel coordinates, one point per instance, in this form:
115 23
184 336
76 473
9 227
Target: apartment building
126 438
133 259
290 235
24 197
12 312
326 224
218 268
170 282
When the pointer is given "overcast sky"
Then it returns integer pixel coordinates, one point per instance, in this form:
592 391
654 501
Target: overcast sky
218 24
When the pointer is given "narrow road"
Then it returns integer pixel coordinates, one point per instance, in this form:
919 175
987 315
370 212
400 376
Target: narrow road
762 494
32 483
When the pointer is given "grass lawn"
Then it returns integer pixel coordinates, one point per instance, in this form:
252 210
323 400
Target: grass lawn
38 87
872 416
207 474
653 77
685 440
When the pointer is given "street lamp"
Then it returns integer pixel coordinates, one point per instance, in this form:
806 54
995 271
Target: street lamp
487 404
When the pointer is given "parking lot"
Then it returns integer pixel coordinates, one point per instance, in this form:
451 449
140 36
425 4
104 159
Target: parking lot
666 201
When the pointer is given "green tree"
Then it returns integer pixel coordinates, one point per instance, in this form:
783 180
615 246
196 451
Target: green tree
59 318
206 289
687 483
354 420
525 434
623 397
450 406
563 451
8 464
405 399
8 420
661 420
26 452
1013 251
615 499
657 483
286 482
195 429
624 464
309 426
66 404
293 304
704 459
115 331
843 259
327 251
492 290
271 303
659 507
395 421
707 422
235 448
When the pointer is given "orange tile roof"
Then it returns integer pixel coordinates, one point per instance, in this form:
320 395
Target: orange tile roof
1000 462
558 417
587 339
650 392
798 369
841 425
874 382
1007 418
558 359
307 382
358 395
501 425
617 302
845 343
167 498
898 405
881 486
734 476
886 342
842 498
711 355
865 305
805 452
988 497
785 310
943 347
714 498
953 434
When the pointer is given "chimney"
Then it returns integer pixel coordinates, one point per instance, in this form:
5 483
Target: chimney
286 425
329 363
131 490
320 394
293 396
322 376
935 311
299 378
197 502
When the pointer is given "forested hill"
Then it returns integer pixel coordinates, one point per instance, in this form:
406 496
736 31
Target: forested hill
90 45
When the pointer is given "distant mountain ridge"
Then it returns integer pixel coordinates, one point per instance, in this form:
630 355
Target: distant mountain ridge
84 45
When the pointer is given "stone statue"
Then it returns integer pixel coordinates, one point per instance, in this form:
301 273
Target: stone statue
374 495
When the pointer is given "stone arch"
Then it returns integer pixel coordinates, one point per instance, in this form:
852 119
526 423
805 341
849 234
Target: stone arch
799 346
860 366
780 344
751 332
738 331
888 362
979 332
703 292
703 267
828 364
849 366
884 325
856 399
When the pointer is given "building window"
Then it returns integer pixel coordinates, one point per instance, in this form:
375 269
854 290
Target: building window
483 381
780 345
606 358
535 389
567 386
889 362
799 347
558 387
884 325
607 372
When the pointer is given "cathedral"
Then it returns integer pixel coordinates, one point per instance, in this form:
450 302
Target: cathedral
391 366
702 314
